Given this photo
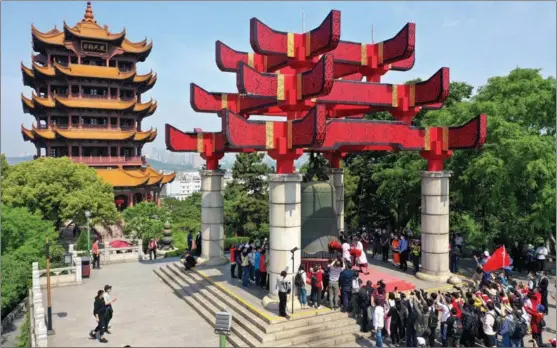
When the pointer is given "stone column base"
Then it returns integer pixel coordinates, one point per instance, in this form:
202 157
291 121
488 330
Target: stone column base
272 302
215 261
439 278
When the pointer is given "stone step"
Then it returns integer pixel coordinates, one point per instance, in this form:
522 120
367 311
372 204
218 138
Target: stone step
328 334
194 291
239 315
256 320
336 341
273 332
205 314
277 323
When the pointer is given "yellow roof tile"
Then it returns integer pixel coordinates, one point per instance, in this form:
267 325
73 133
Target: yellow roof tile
143 106
27 71
52 37
45 70
143 78
44 133
27 134
119 177
106 104
101 72
168 178
28 102
142 136
130 47
44 102
94 134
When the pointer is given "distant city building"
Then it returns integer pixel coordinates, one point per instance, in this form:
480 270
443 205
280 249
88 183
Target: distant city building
87 105
188 183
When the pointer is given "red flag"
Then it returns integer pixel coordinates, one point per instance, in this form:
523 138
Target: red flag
499 259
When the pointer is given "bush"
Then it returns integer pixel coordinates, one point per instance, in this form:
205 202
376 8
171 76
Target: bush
24 339
228 242
81 242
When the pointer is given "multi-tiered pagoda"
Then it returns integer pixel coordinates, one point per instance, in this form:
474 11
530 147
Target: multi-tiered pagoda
87 105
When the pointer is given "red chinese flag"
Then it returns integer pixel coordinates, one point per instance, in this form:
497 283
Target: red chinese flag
499 259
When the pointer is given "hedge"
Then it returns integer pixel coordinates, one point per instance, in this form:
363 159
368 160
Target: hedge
175 253
228 242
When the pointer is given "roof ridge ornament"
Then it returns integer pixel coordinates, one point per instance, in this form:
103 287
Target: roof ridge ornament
89 17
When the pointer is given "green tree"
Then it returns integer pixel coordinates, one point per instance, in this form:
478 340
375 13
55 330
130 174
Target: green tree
250 172
315 169
60 190
145 221
4 166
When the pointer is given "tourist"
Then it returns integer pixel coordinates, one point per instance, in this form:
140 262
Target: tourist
416 252
470 322
256 260
326 277
377 243
411 334
433 319
152 249
300 282
505 330
520 330
361 260
517 256
537 323
488 326
364 296
316 277
232 261
395 246
190 241
394 314
284 288
403 251
445 314
455 253
543 284
96 254
346 251
263 269
108 303
459 242
378 323
335 268
454 329
245 268
541 254
198 243
251 259
365 241
99 312
356 284
384 240
345 280
238 259
189 261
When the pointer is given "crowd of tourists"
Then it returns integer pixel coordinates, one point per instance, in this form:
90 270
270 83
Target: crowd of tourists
248 262
103 313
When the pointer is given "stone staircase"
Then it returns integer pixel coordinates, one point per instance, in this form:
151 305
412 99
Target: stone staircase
252 327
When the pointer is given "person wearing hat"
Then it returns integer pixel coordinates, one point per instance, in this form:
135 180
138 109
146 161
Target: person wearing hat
108 301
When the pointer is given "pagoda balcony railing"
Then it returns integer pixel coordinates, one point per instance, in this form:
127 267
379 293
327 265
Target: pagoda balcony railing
95 126
126 98
108 160
97 96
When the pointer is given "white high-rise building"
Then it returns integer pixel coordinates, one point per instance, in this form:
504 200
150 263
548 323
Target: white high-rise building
185 184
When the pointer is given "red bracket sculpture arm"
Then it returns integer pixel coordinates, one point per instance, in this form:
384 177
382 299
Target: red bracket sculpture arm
292 88
203 101
227 59
269 135
322 39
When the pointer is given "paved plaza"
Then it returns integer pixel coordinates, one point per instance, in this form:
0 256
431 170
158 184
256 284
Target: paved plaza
147 313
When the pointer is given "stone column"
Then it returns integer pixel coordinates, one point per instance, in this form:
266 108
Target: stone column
336 178
285 225
212 218
435 227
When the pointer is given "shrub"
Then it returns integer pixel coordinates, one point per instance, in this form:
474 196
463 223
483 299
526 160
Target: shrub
228 242
24 339
175 253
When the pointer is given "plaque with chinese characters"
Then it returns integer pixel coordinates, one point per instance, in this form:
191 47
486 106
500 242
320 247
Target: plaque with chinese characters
94 47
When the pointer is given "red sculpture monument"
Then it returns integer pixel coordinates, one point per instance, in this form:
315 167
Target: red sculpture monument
315 80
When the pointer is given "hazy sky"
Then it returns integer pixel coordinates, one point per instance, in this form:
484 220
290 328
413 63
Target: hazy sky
476 40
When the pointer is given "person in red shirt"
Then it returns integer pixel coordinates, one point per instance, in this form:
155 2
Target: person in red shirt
232 261
96 255
536 323
456 304
316 280
263 269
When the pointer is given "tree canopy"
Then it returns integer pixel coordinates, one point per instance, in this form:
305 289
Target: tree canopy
504 191
59 190
145 221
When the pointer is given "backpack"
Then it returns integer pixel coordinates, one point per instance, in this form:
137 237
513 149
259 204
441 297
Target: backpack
433 319
298 281
314 280
542 324
520 329
457 328
496 322
470 322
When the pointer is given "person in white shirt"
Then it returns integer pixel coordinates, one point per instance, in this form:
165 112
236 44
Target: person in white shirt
379 324
445 314
362 259
459 242
541 253
335 268
346 252
490 336
108 301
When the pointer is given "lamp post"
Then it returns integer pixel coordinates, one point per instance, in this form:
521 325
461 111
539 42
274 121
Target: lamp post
88 215
293 277
50 331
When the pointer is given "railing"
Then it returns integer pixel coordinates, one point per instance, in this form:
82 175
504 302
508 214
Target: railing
126 98
94 126
36 311
101 160
97 96
109 255
126 127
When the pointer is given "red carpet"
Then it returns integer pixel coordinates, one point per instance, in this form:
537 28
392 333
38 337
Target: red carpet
375 273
